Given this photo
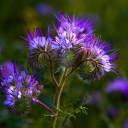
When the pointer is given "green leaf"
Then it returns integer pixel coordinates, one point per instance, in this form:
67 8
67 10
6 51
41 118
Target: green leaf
66 119
87 98
49 117
70 107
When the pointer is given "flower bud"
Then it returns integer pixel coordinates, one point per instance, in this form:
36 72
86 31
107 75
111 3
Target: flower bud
40 87
36 92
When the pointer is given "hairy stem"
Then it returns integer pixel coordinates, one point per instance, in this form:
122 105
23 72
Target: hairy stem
57 97
52 74
46 107
55 80
107 121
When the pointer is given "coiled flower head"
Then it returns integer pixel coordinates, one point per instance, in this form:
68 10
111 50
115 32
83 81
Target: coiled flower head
74 46
70 33
41 52
20 91
96 59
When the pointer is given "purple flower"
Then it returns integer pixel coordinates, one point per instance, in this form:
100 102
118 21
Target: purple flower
74 44
36 92
96 59
40 50
74 38
28 92
38 40
98 53
33 101
119 85
71 32
19 89
44 9
112 111
126 123
9 66
9 100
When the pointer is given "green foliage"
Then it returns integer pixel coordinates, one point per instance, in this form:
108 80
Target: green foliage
71 110
66 119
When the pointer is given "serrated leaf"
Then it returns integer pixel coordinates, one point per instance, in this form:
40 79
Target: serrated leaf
49 117
70 107
65 119
87 97
84 111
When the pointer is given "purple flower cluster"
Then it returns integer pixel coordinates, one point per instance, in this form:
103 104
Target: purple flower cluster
38 40
20 90
126 123
74 46
75 43
71 32
99 51
112 111
119 85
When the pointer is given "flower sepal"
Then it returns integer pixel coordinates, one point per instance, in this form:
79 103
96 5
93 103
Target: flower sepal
21 107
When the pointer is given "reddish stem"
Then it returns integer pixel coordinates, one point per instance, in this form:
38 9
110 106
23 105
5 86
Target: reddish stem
46 107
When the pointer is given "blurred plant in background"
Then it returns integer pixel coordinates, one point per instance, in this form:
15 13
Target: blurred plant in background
110 21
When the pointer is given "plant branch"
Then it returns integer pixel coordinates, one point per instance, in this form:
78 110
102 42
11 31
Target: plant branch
46 107
57 97
51 72
54 80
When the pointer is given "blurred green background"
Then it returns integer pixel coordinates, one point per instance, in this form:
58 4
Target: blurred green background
109 21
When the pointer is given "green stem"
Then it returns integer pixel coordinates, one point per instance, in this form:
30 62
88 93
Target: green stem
57 97
107 121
